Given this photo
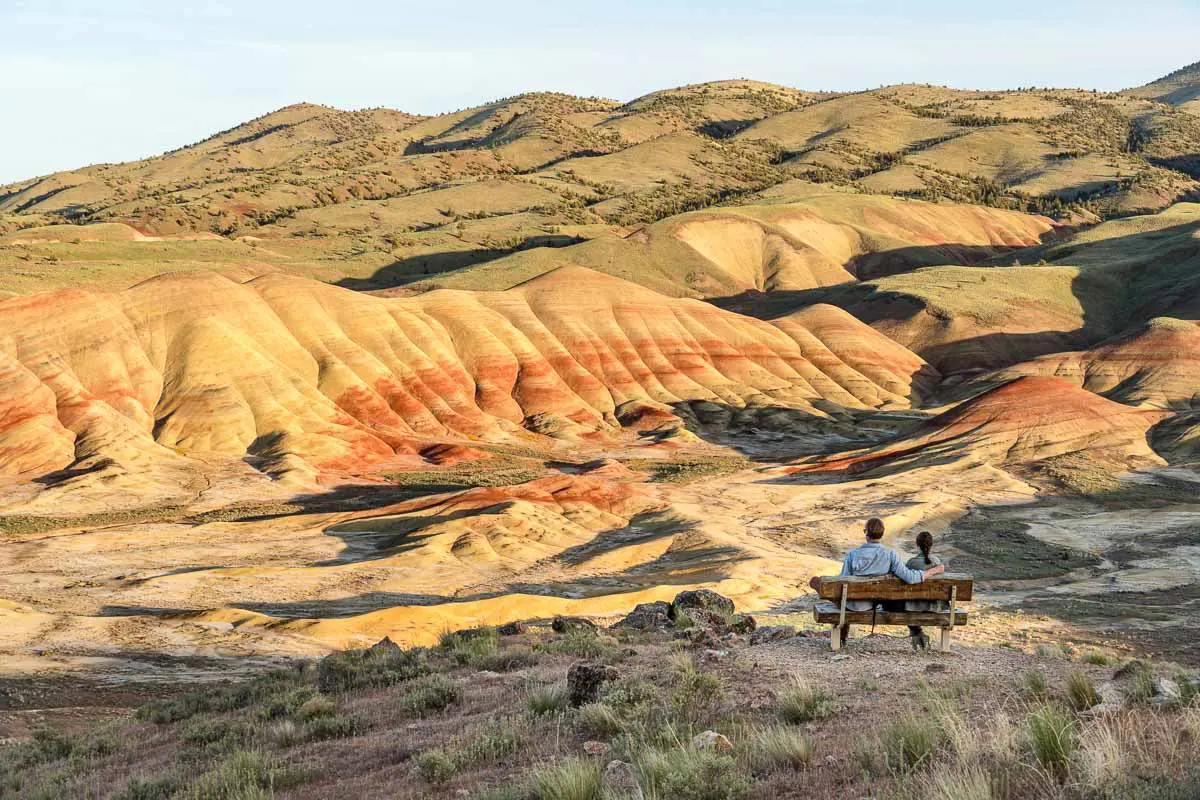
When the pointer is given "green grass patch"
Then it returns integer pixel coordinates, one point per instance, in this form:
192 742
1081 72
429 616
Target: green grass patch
1081 692
574 779
1052 737
802 702
775 748
684 470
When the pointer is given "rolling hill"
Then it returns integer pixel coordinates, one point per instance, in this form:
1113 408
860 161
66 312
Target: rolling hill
342 195
1180 88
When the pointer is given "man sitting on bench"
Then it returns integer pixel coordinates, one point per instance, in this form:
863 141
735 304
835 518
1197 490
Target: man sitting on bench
873 560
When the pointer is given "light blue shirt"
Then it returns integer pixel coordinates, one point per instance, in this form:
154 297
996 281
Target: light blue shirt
873 560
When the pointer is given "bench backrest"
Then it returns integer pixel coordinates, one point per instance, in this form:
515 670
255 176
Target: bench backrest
889 587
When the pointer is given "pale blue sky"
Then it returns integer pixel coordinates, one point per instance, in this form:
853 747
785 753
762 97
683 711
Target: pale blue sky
84 82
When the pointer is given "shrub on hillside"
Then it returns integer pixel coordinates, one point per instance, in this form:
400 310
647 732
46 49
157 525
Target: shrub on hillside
373 668
429 694
548 700
687 774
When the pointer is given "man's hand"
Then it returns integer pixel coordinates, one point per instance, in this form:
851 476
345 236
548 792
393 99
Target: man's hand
933 572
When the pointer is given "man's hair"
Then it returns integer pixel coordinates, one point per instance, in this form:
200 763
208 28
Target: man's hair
874 528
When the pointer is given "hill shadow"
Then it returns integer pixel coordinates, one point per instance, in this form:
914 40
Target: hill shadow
426 265
880 264
1124 281
396 534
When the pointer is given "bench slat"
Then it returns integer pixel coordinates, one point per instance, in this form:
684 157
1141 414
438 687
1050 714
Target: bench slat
890 587
828 614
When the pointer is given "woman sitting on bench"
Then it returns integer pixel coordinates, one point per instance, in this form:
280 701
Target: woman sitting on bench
923 562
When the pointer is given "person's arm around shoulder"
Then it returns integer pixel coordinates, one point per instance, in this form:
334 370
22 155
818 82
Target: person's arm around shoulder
901 571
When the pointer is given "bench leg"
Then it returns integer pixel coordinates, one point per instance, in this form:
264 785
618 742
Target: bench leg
944 644
838 636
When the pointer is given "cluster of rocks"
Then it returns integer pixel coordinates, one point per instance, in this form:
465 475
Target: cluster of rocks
703 617
1136 680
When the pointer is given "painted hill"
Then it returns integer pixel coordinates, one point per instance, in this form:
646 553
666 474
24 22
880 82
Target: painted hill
1156 365
309 376
1025 421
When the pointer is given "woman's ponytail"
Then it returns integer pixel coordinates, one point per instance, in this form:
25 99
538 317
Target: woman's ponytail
925 543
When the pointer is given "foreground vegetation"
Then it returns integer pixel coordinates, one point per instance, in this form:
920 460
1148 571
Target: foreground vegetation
486 716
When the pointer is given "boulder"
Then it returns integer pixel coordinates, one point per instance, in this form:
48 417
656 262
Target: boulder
742 623
1111 699
654 616
772 633
700 636
701 598
595 748
585 679
1131 669
573 624
1166 692
387 645
711 740
467 634
512 629
621 782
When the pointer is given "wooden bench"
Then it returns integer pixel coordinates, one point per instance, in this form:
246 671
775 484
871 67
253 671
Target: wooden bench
836 592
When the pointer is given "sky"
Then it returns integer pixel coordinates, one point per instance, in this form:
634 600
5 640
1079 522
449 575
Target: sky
117 80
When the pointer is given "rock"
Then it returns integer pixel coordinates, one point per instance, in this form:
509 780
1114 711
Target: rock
711 740
467 634
772 633
840 657
594 748
700 636
1111 699
742 623
714 655
573 624
585 679
1134 667
831 761
1166 692
620 780
654 616
704 618
701 598
386 644
936 667
512 629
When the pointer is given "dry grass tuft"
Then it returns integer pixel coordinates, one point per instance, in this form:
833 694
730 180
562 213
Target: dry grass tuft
803 702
